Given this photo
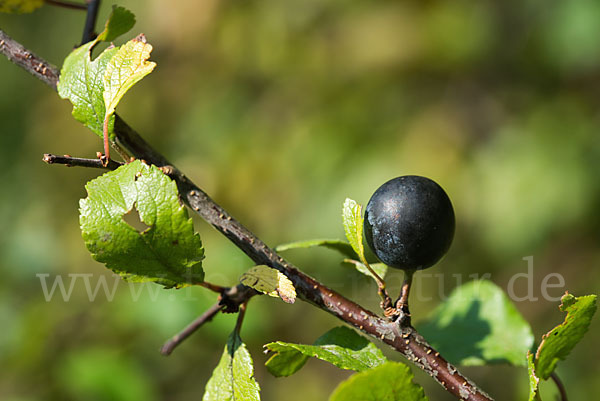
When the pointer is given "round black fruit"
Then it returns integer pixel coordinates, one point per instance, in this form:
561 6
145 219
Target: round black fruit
409 222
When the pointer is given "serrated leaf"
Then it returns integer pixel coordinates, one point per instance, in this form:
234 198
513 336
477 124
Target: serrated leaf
233 378
558 342
20 6
478 325
340 346
379 268
120 21
342 247
81 81
392 381
271 282
353 226
534 381
126 68
168 252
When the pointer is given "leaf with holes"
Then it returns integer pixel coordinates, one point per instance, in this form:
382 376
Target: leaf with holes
558 342
340 346
271 282
478 325
233 378
20 6
168 252
392 381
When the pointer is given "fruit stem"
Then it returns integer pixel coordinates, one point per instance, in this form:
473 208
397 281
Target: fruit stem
402 301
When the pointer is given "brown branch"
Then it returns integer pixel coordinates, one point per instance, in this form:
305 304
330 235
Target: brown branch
177 339
403 339
560 386
80 162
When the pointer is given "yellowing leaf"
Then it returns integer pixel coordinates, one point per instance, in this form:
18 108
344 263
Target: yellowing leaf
353 226
271 282
20 6
127 67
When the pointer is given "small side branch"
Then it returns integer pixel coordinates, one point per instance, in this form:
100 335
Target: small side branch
90 21
69 161
560 386
177 339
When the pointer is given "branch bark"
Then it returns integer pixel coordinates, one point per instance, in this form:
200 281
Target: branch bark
403 338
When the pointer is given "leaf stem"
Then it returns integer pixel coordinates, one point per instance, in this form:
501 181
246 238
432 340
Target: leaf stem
177 339
105 135
386 300
240 318
560 386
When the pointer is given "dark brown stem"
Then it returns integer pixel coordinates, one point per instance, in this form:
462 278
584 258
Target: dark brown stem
177 339
560 386
240 318
90 21
402 301
213 287
66 4
403 339
80 162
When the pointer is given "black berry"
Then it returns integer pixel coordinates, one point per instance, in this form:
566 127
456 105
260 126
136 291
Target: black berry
409 222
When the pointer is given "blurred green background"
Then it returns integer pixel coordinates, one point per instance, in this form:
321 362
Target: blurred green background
280 110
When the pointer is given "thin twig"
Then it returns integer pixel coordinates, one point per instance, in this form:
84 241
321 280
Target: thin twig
80 162
177 339
213 287
67 4
90 21
560 386
405 340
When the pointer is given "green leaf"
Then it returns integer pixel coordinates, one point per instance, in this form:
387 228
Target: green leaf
558 342
20 6
126 68
233 378
120 21
271 282
341 346
168 252
379 268
391 381
479 325
353 226
81 81
534 381
338 245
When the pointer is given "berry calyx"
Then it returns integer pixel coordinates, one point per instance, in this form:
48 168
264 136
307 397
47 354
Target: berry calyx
409 222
